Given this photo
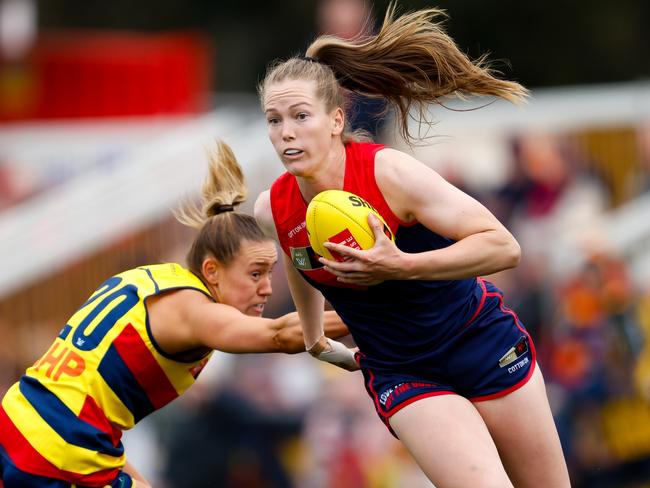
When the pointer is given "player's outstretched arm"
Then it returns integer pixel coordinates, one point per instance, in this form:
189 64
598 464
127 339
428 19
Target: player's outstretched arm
186 319
290 338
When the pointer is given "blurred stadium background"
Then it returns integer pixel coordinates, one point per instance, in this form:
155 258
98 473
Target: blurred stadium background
107 108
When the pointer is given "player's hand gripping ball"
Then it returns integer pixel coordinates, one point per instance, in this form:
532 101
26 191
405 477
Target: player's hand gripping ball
341 217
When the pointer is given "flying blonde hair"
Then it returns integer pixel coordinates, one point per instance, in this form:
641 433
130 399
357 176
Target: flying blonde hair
411 62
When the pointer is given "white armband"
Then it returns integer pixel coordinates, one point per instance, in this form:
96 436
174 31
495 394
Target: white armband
334 352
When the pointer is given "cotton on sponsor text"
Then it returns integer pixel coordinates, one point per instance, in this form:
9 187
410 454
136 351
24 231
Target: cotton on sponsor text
519 365
297 229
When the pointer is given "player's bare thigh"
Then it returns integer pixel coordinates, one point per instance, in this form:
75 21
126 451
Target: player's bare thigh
523 429
449 440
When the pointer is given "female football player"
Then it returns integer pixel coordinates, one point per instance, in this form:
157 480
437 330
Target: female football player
450 368
139 341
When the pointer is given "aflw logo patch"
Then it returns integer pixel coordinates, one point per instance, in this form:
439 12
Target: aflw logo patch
304 258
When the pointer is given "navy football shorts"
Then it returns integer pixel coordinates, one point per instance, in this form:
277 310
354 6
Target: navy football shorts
491 356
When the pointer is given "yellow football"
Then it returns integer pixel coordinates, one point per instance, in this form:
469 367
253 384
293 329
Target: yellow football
341 217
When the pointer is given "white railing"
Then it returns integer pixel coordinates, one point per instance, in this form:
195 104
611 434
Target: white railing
151 177
90 210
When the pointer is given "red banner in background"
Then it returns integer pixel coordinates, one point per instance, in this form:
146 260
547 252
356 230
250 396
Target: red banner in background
108 74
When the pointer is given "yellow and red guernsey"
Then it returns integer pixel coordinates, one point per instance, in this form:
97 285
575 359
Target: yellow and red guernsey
103 373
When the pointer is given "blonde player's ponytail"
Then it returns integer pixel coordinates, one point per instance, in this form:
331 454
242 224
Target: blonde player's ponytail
221 227
223 189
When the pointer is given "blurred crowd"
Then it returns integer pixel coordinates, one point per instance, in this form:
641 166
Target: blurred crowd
590 321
